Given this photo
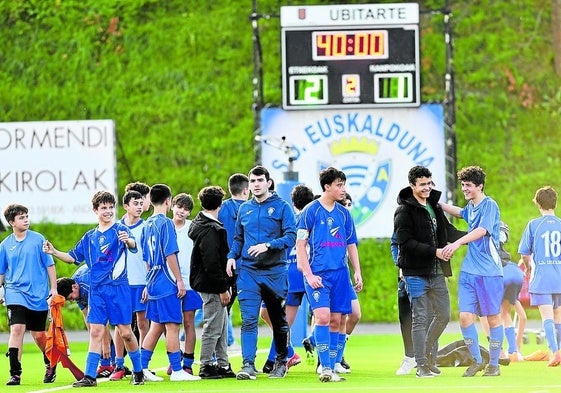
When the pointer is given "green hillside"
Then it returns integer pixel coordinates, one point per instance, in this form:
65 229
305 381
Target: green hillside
176 76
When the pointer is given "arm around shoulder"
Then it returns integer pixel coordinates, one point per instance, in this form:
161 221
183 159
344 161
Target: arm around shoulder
451 209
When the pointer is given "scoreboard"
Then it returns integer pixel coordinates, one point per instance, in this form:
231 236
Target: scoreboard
350 56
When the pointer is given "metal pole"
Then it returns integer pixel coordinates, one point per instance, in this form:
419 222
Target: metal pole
257 78
450 108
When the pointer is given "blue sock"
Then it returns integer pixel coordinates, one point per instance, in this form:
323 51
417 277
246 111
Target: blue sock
175 360
341 342
558 331
272 352
510 335
92 360
333 344
105 362
119 362
496 336
113 353
472 342
135 360
188 360
549 329
290 351
321 334
145 357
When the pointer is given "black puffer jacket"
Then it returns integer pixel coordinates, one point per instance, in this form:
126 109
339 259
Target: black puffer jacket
209 256
414 233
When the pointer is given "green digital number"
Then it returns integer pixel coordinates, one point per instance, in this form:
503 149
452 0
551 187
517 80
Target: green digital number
393 87
308 89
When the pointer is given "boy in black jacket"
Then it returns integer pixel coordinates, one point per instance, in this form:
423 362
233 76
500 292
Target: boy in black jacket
422 230
208 277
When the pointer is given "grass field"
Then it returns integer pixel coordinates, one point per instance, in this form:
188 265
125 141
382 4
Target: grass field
373 358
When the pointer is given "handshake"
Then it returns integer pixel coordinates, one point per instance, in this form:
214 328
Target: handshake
447 252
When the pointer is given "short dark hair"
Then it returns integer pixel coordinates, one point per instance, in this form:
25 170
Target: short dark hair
211 197
159 193
64 286
301 195
130 195
103 197
184 201
144 189
258 171
13 210
329 175
474 174
237 183
417 172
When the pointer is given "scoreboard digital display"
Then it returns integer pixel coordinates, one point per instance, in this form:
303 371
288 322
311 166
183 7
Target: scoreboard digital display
349 63
349 45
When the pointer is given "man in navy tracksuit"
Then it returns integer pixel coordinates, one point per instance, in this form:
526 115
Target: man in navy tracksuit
265 228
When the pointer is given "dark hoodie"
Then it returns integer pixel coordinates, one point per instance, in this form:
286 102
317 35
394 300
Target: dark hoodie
414 233
209 256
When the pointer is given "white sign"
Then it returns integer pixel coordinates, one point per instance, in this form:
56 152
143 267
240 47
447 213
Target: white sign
375 149
350 15
55 167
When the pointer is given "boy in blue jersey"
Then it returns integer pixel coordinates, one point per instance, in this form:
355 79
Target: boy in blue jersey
182 206
164 286
328 229
104 249
133 203
265 229
480 285
238 186
540 248
25 271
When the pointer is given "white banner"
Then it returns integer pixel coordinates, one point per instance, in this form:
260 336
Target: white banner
55 167
375 149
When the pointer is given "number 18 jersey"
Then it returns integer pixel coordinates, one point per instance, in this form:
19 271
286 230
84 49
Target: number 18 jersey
542 240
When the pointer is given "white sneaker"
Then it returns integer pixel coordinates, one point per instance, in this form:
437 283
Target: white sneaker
181 375
148 376
407 365
326 374
336 377
340 369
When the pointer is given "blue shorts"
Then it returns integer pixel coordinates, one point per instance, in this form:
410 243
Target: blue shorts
294 299
353 294
511 292
295 279
192 301
110 303
480 295
538 299
334 294
136 298
165 310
